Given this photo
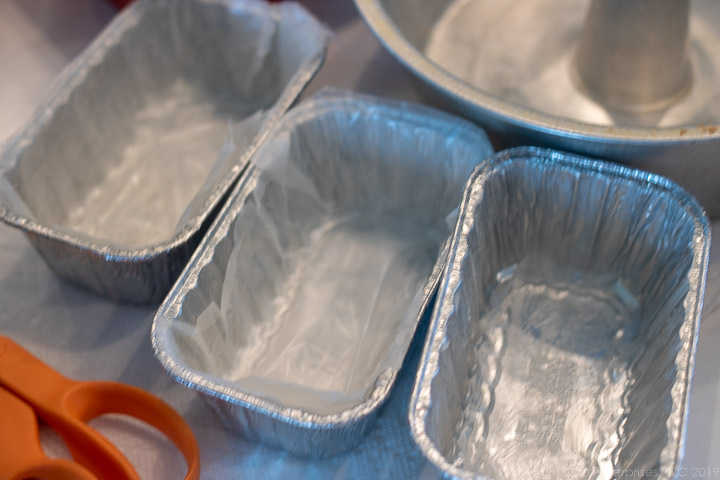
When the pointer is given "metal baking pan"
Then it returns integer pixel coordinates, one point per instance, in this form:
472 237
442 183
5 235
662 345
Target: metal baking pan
294 316
117 176
564 334
513 71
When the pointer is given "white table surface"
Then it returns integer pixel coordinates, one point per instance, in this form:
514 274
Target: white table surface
87 337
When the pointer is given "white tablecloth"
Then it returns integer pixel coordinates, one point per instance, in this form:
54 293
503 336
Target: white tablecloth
87 337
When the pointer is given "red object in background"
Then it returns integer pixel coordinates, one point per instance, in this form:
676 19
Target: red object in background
120 3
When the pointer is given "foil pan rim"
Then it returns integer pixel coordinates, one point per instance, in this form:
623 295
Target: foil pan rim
171 308
395 42
72 77
672 453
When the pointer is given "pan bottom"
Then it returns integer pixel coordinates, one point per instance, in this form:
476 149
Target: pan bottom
551 363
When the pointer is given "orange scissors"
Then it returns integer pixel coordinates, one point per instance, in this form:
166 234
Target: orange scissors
30 389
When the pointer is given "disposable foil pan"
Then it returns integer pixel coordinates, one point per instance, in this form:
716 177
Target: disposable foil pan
564 334
333 240
117 176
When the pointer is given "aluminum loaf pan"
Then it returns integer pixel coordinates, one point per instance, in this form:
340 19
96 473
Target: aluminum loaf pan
117 176
295 314
563 339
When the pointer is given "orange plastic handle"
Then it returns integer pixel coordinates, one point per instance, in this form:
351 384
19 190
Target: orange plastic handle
66 405
21 455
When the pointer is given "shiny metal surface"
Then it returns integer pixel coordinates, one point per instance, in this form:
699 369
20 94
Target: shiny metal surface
633 56
335 156
509 67
117 176
89 337
563 339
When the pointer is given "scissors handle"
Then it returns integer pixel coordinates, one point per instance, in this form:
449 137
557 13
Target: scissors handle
29 378
21 455
54 469
92 399
66 405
